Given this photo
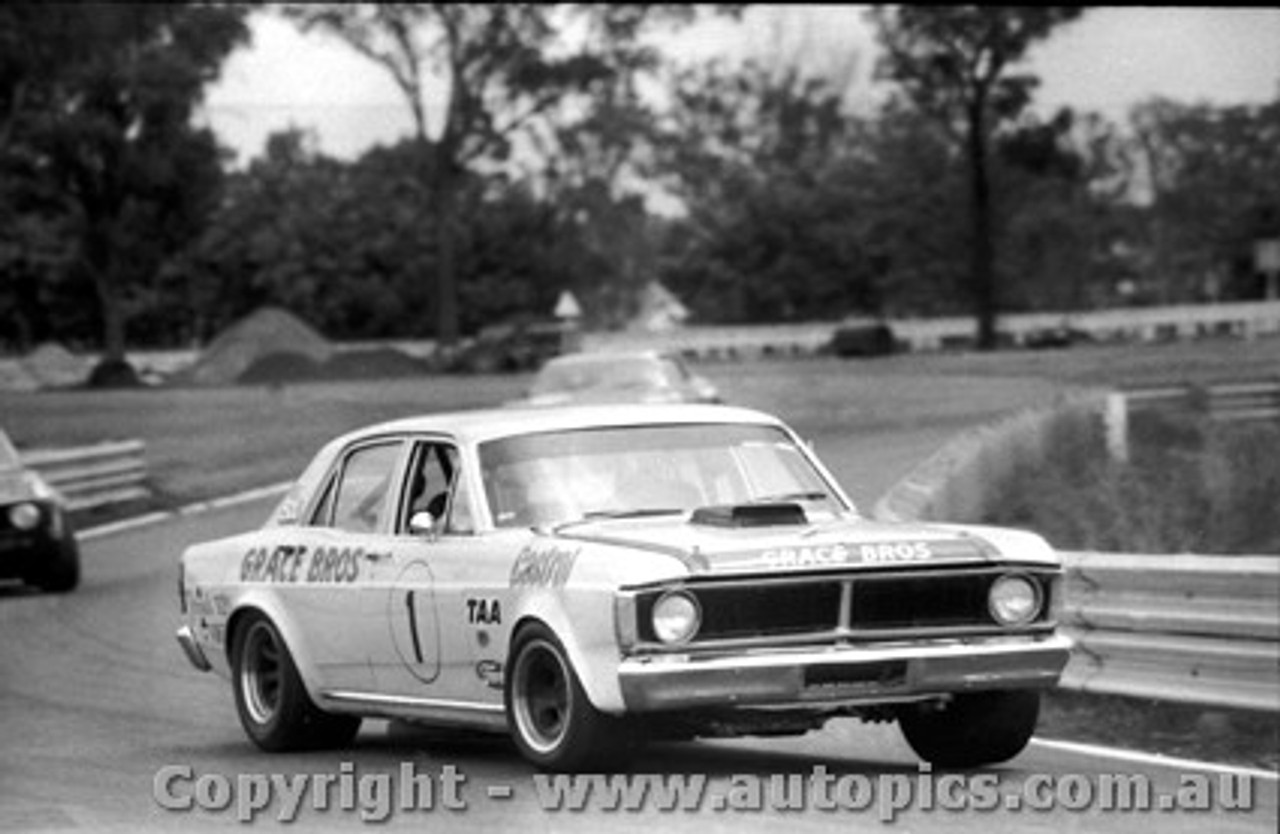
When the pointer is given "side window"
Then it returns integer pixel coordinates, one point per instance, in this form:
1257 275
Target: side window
361 496
461 516
324 508
435 486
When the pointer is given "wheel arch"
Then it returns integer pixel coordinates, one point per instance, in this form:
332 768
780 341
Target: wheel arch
600 685
259 607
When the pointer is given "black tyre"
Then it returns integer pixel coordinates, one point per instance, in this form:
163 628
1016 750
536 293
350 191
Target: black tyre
975 729
59 569
275 710
552 721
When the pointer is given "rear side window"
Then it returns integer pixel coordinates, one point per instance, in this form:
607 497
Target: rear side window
357 500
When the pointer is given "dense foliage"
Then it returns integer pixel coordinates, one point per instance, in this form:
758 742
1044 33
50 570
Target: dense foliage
120 224
1190 486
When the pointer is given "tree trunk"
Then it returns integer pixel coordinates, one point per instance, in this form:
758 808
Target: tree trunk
446 269
443 191
113 323
982 264
97 258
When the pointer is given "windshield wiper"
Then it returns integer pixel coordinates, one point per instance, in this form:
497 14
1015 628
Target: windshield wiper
639 513
787 497
605 515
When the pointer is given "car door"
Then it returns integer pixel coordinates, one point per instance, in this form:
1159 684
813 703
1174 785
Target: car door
348 548
444 602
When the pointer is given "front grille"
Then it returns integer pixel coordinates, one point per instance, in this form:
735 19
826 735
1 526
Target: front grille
921 602
782 609
866 606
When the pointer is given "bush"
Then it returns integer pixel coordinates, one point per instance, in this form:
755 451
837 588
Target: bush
113 373
1190 486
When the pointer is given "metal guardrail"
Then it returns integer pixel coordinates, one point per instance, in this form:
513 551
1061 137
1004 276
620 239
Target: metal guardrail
1183 628
1224 401
1246 320
94 476
1192 629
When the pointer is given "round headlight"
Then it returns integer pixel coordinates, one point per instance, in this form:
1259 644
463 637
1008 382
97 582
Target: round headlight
1014 600
676 617
24 516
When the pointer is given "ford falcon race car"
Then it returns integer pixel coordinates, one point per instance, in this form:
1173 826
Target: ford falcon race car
585 578
37 542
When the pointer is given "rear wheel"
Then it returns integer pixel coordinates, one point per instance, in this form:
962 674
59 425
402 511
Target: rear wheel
973 729
554 724
275 710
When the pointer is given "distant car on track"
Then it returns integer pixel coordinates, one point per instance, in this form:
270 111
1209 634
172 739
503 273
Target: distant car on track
37 542
588 578
646 376
518 345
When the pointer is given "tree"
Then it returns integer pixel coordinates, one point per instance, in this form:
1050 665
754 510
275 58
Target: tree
759 156
955 63
1212 181
493 69
107 125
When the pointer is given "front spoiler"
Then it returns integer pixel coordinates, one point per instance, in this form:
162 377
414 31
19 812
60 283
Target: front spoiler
841 674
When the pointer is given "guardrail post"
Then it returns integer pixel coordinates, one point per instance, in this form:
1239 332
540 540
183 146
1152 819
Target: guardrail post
1116 418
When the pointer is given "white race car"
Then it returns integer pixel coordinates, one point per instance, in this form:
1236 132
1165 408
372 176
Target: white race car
586 578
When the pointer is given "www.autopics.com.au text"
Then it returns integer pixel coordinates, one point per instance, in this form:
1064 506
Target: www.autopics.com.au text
377 796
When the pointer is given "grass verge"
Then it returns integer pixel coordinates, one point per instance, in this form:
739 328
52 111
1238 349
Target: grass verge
1238 737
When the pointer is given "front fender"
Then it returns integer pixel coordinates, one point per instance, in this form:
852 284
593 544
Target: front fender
583 622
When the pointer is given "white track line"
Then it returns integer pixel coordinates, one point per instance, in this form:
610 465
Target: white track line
1138 757
197 508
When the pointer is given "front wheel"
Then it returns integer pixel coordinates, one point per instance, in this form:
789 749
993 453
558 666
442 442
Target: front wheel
973 729
553 723
59 569
275 710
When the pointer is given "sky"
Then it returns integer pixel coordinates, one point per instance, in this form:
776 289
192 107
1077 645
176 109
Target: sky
1106 61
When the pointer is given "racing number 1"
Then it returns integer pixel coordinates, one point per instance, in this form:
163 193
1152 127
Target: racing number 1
413 626
411 610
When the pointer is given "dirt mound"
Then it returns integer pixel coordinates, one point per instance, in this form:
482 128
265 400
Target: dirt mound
287 367
374 363
267 331
281 368
53 366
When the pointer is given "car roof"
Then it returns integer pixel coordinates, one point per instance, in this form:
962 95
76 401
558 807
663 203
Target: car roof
470 427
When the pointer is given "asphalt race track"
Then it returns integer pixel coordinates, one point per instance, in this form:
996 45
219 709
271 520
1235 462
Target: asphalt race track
97 705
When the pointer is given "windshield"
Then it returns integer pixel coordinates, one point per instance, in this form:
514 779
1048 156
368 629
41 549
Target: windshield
8 455
565 476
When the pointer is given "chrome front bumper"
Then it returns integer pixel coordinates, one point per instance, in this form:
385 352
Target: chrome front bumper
192 649
840 674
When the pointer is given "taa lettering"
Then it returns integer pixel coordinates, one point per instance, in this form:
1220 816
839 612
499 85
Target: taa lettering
484 611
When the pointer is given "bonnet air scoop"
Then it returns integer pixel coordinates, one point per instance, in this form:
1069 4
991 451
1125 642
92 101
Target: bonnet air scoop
750 515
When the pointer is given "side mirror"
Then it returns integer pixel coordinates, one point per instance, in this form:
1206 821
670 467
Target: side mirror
422 523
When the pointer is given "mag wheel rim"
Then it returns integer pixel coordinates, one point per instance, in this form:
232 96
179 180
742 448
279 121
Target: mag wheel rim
261 673
543 701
